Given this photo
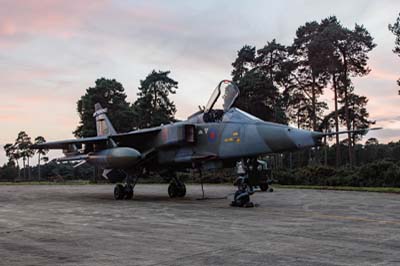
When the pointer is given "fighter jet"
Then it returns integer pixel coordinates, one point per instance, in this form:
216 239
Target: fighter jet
217 136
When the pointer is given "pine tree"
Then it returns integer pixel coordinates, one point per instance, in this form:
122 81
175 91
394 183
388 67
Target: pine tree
311 74
22 144
111 95
41 152
262 76
244 62
395 29
153 106
349 55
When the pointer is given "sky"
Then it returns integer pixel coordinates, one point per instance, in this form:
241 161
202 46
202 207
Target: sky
52 50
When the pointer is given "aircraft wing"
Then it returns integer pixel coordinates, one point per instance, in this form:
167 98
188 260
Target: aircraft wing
65 144
136 138
130 139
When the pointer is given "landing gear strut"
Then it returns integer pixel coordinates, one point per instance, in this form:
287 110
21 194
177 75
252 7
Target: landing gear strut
176 188
242 195
125 192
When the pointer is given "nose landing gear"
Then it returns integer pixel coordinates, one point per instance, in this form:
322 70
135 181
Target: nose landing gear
242 195
244 189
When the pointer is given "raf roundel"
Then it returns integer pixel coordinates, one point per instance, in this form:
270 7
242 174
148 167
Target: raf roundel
212 135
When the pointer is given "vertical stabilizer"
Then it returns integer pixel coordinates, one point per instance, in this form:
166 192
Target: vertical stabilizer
103 124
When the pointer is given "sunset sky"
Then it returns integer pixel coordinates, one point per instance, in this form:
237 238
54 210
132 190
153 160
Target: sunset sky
51 51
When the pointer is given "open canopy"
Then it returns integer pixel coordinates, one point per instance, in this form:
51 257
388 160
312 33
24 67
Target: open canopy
229 92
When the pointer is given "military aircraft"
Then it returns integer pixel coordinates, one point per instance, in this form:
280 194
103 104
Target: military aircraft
216 136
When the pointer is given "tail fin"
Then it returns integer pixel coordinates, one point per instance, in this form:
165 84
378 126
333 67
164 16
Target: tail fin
103 124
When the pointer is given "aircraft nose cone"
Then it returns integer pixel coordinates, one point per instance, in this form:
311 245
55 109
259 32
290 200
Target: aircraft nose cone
282 138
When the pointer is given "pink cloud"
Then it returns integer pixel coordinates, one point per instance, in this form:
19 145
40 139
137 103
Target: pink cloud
383 75
57 18
65 17
7 28
8 117
8 107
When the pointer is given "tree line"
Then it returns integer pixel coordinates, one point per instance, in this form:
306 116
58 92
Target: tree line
151 108
284 84
20 150
278 83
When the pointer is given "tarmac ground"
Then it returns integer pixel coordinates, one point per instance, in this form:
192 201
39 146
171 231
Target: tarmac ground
84 225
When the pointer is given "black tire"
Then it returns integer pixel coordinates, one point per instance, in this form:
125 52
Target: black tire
240 202
244 200
128 192
173 190
264 187
181 190
119 192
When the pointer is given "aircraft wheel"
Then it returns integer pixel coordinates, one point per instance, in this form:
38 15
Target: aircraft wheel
264 187
119 192
173 190
181 190
176 189
240 201
128 192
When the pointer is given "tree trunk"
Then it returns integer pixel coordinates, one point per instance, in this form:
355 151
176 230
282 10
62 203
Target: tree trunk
346 105
325 151
314 115
336 122
23 165
353 146
348 126
19 169
39 166
29 169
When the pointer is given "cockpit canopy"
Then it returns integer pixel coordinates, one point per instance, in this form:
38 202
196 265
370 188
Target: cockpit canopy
217 106
229 92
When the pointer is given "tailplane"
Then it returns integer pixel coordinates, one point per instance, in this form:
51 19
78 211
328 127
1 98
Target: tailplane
103 124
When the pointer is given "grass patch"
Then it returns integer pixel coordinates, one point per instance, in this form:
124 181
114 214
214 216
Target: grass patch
364 189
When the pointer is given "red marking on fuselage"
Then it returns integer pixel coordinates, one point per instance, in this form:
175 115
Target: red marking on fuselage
212 135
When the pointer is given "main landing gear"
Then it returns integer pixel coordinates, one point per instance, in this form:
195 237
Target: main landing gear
125 191
176 188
